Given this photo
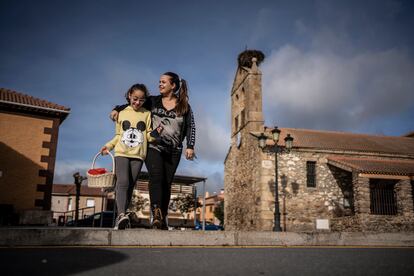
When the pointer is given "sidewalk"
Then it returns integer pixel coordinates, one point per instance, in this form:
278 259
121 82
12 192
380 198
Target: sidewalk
61 236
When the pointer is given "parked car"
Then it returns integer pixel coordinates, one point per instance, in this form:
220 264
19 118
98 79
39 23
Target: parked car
209 226
95 220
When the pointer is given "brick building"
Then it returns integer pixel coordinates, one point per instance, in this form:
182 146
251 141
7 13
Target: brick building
212 203
91 200
28 140
330 180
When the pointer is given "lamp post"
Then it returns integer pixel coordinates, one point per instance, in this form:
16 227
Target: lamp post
78 182
276 149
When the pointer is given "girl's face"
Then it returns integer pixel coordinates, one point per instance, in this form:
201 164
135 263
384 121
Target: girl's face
165 85
136 99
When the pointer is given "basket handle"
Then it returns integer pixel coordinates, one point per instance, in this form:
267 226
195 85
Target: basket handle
99 153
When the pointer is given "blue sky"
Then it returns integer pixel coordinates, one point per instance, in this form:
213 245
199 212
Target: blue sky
332 65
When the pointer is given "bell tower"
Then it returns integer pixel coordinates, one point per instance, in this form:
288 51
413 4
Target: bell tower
242 173
246 96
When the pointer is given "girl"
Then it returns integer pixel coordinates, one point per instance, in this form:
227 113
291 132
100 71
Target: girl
173 119
132 133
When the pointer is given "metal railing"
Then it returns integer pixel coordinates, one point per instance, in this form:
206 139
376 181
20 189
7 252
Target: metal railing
383 199
70 215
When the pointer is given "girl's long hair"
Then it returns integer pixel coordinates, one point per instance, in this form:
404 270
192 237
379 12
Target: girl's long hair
137 86
181 92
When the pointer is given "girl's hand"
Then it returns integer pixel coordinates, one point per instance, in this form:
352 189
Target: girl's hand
189 154
104 151
159 129
114 115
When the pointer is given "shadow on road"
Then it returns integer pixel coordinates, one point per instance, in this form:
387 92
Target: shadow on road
55 261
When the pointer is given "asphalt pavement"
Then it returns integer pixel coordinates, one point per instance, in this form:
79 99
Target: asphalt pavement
290 261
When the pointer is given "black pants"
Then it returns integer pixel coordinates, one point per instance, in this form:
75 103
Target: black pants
161 169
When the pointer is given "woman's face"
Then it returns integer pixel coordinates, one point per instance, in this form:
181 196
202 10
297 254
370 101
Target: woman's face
165 85
137 99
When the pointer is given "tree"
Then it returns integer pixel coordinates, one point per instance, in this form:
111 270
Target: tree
219 212
138 202
183 203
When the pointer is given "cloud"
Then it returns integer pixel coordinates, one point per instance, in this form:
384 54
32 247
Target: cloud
320 89
213 171
214 183
212 139
66 168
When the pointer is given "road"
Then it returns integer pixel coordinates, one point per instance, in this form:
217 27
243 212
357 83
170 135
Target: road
350 261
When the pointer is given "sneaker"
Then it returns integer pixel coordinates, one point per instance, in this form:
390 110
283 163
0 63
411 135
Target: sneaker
157 219
122 222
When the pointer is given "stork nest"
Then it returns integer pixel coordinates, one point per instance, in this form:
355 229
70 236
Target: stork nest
245 58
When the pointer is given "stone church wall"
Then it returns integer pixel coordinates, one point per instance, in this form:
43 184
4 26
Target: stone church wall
242 194
303 205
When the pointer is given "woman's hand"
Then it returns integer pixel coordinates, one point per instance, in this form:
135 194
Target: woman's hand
114 115
189 154
104 151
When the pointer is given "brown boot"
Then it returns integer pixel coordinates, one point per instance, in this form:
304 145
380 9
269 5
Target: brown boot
156 218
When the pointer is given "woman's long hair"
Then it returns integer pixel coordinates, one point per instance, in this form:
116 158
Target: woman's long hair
181 92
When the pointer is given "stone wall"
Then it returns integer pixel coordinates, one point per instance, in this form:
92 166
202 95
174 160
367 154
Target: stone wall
373 223
404 194
303 205
250 201
363 220
242 187
300 205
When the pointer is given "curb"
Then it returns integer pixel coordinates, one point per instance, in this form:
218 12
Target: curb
56 236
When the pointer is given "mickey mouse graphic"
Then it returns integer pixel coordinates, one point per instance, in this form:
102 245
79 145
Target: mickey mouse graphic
132 137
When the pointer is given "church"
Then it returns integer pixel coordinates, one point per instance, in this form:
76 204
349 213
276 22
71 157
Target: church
289 179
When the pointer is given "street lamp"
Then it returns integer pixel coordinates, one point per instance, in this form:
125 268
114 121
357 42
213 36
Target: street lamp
276 149
78 182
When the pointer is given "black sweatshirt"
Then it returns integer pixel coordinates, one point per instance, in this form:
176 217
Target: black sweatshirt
175 128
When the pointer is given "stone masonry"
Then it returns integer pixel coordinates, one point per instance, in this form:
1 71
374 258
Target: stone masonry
340 196
242 183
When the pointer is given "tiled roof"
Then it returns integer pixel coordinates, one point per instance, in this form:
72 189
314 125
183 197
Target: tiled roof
70 189
410 134
374 165
346 141
12 97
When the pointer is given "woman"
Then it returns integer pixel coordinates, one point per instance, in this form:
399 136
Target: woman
173 119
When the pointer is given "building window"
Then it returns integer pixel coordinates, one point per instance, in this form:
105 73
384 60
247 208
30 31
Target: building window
311 174
382 197
90 202
236 123
69 204
242 117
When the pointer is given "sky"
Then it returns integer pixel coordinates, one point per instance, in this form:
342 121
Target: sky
330 65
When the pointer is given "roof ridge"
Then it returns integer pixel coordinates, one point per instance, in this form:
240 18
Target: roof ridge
24 96
342 132
364 158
